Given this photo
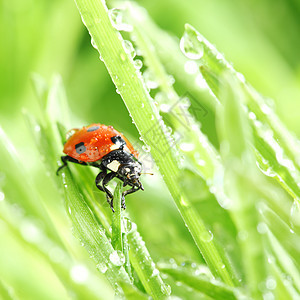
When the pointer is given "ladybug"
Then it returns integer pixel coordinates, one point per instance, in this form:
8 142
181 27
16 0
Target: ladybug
105 148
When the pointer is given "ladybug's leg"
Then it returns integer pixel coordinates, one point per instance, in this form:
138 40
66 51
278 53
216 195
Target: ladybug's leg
109 195
130 191
102 188
66 158
98 180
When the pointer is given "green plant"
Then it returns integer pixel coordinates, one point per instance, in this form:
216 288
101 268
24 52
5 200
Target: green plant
244 238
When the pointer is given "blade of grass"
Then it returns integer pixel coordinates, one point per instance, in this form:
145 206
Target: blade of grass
235 136
92 236
7 292
131 87
212 288
116 238
145 266
273 133
81 227
61 270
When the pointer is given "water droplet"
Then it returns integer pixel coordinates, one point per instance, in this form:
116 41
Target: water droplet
271 283
242 235
191 67
171 80
37 128
187 147
184 202
266 169
138 64
94 43
70 211
102 267
30 231
207 236
79 273
2 196
117 258
127 224
165 107
166 289
252 115
240 76
295 213
191 46
123 56
265 109
201 162
201 82
262 228
117 18
268 296
128 47
150 79
155 272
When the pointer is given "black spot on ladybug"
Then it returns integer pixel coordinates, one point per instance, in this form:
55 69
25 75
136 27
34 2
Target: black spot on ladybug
118 140
80 148
93 128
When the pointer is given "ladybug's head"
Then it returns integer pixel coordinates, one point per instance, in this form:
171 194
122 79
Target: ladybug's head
131 173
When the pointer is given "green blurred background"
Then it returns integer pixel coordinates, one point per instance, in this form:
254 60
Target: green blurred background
260 38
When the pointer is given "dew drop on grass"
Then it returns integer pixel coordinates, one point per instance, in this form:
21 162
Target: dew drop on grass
127 225
128 47
268 296
150 79
102 267
117 258
155 272
138 64
187 147
191 67
295 214
191 46
166 289
2 196
252 115
164 108
79 273
117 18
171 80
201 82
94 43
271 283
266 169
262 228
241 77
206 236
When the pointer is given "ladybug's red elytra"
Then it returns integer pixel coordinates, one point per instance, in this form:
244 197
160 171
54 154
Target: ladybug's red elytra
105 148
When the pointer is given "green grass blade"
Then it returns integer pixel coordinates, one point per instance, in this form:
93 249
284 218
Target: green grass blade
277 145
212 288
131 87
235 136
92 236
145 266
116 239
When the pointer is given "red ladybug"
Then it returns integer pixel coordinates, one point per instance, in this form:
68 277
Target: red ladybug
105 148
